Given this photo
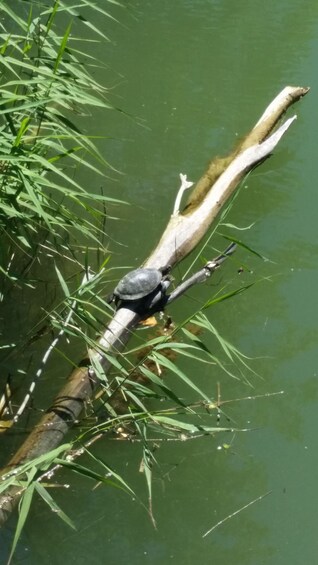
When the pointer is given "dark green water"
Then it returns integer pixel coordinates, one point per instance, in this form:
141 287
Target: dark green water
195 76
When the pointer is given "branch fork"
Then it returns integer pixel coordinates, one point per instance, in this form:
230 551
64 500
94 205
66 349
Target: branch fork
177 241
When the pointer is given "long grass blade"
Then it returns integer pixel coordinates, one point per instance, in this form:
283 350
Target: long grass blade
24 508
175 369
42 491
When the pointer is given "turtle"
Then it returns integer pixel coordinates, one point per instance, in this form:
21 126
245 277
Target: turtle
140 284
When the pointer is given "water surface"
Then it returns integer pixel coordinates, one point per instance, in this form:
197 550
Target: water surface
191 78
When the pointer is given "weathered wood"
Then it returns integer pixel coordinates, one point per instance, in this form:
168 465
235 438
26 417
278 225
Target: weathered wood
182 234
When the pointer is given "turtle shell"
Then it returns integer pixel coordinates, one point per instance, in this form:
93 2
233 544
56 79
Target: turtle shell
138 284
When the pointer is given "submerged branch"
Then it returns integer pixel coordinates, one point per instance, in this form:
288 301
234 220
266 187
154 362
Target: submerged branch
183 233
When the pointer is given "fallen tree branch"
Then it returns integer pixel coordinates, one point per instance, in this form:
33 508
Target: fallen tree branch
182 234
202 275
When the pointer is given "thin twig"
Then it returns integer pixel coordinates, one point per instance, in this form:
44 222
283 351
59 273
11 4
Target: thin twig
236 512
48 352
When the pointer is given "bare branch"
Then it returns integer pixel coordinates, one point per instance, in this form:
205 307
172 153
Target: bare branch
182 234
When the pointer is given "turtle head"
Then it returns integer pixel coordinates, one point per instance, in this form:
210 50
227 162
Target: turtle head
165 270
